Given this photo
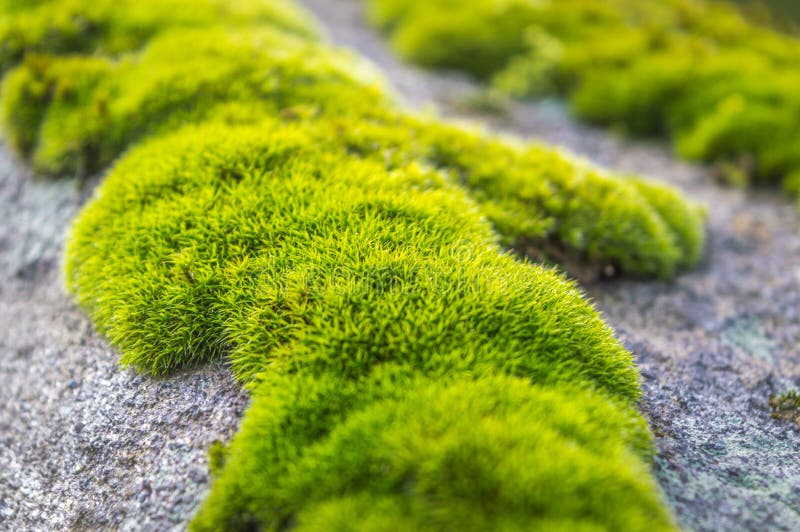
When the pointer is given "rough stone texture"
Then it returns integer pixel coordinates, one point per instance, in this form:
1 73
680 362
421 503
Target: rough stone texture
713 345
85 445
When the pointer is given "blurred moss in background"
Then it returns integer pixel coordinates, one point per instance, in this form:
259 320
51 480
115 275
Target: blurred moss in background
719 79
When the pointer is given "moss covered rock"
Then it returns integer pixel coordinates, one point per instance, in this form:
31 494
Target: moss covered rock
325 274
273 206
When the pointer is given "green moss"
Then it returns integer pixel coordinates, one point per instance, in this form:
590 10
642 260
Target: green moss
722 87
217 455
496 36
409 453
786 406
536 196
684 220
202 219
115 26
485 101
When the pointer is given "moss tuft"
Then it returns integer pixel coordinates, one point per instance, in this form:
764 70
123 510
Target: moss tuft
404 452
786 406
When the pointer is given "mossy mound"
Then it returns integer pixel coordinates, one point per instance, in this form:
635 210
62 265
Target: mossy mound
226 239
405 452
111 27
541 198
723 88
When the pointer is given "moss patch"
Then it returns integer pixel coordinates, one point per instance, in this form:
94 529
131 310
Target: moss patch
392 449
722 87
319 268
88 110
205 218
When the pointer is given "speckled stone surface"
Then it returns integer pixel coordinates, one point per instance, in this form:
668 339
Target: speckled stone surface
85 445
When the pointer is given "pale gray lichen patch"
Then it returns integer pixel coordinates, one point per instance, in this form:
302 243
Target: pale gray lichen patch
749 336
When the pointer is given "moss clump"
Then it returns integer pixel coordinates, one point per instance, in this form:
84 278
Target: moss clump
786 406
116 26
252 234
406 452
722 87
540 198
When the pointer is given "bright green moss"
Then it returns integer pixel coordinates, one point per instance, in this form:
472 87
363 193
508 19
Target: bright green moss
536 196
338 288
492 38
115 26
404 452
723 88
684 220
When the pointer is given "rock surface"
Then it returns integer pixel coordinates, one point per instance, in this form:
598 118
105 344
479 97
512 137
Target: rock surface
86 445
